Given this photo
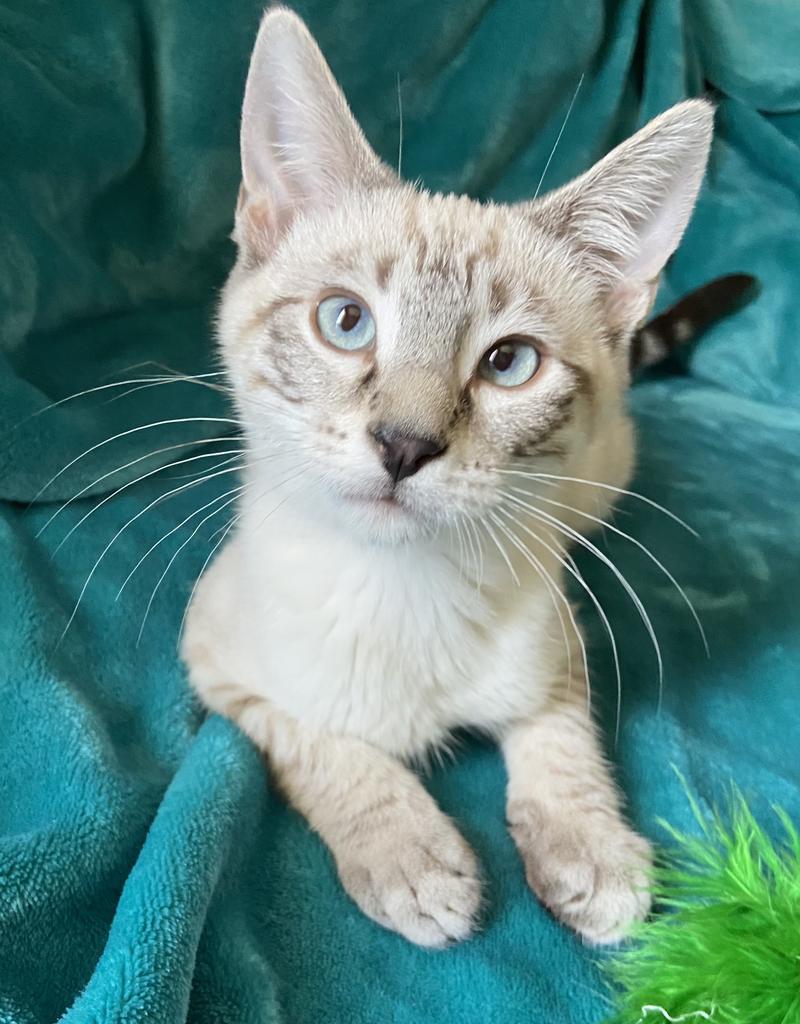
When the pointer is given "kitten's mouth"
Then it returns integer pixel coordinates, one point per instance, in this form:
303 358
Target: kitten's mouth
387 501
383 505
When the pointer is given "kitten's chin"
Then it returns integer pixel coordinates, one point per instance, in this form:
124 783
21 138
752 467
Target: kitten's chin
385 520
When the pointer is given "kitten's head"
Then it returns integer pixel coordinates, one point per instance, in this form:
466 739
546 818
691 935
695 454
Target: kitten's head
407 350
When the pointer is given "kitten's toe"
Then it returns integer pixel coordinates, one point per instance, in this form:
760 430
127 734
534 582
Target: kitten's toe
594 877
423 883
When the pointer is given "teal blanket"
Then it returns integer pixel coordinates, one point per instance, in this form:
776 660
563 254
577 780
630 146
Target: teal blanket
148 871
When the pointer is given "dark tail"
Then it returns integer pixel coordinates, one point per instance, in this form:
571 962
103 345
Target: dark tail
689 317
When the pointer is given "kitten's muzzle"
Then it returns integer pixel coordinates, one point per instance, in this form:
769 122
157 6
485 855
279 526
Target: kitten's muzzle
404 455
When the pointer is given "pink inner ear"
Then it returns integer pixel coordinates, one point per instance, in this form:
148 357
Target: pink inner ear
256 229
629 302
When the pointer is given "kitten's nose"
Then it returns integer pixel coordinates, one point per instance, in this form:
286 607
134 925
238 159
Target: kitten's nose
404 454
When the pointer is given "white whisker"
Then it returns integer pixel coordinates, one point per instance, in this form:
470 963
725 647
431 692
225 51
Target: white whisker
461 550
286 480
502 551
200 472
558 137
91 391
126 433
252 455
156 364
225 530
154 382
234 490
569 564
221 528
131 483
481 554
472 550
122 529
177 552
642 547
127 465
552 588
400 140
629 590
530 475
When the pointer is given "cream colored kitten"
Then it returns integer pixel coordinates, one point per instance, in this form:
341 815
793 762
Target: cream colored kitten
403 362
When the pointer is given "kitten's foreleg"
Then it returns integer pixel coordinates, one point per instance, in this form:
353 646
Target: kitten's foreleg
581 858
398 856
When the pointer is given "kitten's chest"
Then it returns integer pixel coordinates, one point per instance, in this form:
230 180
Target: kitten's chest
397 651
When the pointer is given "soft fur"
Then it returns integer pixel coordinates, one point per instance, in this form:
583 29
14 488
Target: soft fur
349 625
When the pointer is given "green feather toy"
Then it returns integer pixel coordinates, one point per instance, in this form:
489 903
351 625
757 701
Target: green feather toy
728 948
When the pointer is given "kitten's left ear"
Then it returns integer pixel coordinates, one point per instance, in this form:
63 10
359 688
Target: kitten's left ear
301 147
625 217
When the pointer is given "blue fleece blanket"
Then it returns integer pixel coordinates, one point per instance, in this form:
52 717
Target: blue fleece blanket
148 871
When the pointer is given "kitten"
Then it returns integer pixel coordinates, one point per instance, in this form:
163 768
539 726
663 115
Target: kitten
404 366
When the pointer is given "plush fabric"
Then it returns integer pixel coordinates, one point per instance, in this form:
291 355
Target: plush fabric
148 871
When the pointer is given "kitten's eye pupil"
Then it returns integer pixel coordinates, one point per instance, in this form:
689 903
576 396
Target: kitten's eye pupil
348 317
345 322
502 358
510 362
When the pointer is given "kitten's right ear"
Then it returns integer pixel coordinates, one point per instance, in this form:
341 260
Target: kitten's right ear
301 147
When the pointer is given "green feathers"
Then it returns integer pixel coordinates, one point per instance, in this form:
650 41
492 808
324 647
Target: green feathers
727 948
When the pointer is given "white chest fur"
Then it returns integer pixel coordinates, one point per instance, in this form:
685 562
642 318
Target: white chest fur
395 645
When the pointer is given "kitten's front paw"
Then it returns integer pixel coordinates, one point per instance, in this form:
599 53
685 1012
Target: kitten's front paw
592 874
419 878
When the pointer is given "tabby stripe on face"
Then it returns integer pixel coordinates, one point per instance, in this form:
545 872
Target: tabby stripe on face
583 381
560 411
368 379
498 296
563 410
463 407
265 313
440 265
491 246
345 260
281 376
422 254
469 270
281 386
383 270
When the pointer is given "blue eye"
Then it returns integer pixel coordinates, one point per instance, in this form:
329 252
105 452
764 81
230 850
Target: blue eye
509 362
345 322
